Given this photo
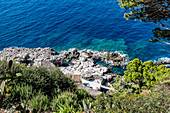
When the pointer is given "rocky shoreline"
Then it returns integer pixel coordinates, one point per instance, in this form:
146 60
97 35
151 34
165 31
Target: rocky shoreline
72 61
80 65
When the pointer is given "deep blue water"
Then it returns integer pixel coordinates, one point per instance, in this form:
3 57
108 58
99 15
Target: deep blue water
62 24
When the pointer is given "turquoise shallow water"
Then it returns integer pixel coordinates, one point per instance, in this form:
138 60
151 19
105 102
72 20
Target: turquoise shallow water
63 24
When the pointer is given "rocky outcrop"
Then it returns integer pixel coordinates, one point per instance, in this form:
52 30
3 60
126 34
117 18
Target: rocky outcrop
83 64
162 62
114 59
80 64
32 57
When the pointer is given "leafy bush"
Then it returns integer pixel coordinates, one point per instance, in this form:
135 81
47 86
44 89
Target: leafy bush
39 102
50 82
20 96
47 81
20 93
82 94
156 102
38 81
65 98
121 86
72 102
102 103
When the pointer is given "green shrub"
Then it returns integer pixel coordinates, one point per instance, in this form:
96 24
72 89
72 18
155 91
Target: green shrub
51 82
47 81
21 92
33 80
65 98
101 103
121 87
155 102
146 74
82 94
39 102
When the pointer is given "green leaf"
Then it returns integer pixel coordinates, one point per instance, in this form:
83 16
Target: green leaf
22 105
18 74
90 106
84 106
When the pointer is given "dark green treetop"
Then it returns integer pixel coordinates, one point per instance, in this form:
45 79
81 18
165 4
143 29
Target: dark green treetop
157 11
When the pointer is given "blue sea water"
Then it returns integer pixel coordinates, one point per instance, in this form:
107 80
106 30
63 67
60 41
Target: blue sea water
63 24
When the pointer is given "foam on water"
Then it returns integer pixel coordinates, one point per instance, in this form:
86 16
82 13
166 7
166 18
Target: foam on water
164 59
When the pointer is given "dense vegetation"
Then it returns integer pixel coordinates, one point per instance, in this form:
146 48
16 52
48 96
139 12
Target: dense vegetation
143 88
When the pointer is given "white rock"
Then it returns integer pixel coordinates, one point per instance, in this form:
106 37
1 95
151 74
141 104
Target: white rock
83 59
83 54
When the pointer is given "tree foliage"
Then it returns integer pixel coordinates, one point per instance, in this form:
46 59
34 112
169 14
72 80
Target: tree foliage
144 75
161 35
156 11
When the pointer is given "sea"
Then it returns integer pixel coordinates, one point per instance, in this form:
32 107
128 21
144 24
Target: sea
82 24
